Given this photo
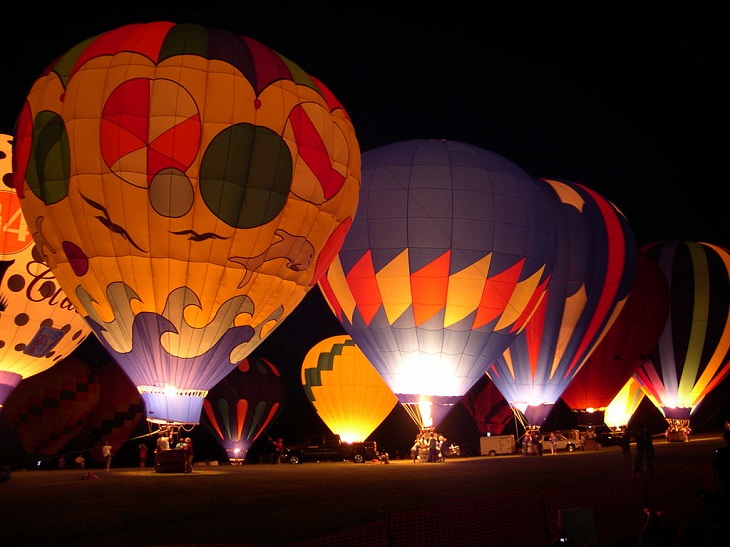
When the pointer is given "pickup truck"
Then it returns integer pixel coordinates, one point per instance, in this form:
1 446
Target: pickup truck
330 448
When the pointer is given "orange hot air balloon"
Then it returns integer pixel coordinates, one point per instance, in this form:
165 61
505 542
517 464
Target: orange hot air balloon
345 389
48 410
187 186
38 324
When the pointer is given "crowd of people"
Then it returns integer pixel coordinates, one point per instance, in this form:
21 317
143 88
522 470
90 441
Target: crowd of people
429 447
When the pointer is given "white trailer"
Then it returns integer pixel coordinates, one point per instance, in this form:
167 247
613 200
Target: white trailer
497 444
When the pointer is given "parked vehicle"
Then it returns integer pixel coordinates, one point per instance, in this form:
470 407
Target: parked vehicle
497 444
562 443
330 448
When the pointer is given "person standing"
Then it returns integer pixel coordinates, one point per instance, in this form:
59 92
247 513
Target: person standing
278 450
106 452
553 441
188 449
142 454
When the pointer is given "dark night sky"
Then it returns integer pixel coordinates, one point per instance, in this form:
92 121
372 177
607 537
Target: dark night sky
631 103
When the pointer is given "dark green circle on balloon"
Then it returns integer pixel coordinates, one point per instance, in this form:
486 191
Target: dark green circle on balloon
48 169
245 175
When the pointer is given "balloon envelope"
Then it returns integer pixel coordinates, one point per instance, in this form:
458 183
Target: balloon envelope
488 407
619 411
691 356
38 324
448 255
243 405
49 409
187 186
630 339
593 274
345 389
116 415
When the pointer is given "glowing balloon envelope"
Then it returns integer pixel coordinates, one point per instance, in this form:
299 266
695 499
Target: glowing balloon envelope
691 356
187 186
242 405
38 325
345 389
592 278
449 253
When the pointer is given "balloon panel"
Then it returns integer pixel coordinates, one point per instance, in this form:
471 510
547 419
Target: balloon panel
38 324
449 253
187 186
592 278
690 358
49 409
349 395
629 340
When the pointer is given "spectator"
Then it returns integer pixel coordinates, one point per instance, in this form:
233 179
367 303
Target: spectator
80 462
278 450
553 442
188 449
106 452
142 448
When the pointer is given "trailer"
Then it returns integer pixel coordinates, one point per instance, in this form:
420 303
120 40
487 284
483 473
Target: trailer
497 445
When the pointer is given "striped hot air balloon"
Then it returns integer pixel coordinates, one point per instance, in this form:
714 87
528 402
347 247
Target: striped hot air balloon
691 356
243 405
592 278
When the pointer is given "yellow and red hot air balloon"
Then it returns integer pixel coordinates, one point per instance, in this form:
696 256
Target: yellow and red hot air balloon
39 325
187 186
449 254
349 395
619 411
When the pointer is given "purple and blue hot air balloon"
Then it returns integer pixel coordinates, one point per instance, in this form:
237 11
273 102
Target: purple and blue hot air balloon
449 253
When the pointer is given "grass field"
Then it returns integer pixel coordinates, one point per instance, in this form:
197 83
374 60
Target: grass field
276 504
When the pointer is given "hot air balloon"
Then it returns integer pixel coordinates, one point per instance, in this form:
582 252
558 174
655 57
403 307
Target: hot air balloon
38 324
619 411
187 187
448 256
691 356
593 274
49 409
243 405
629 340
488 408
117 414
349 395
